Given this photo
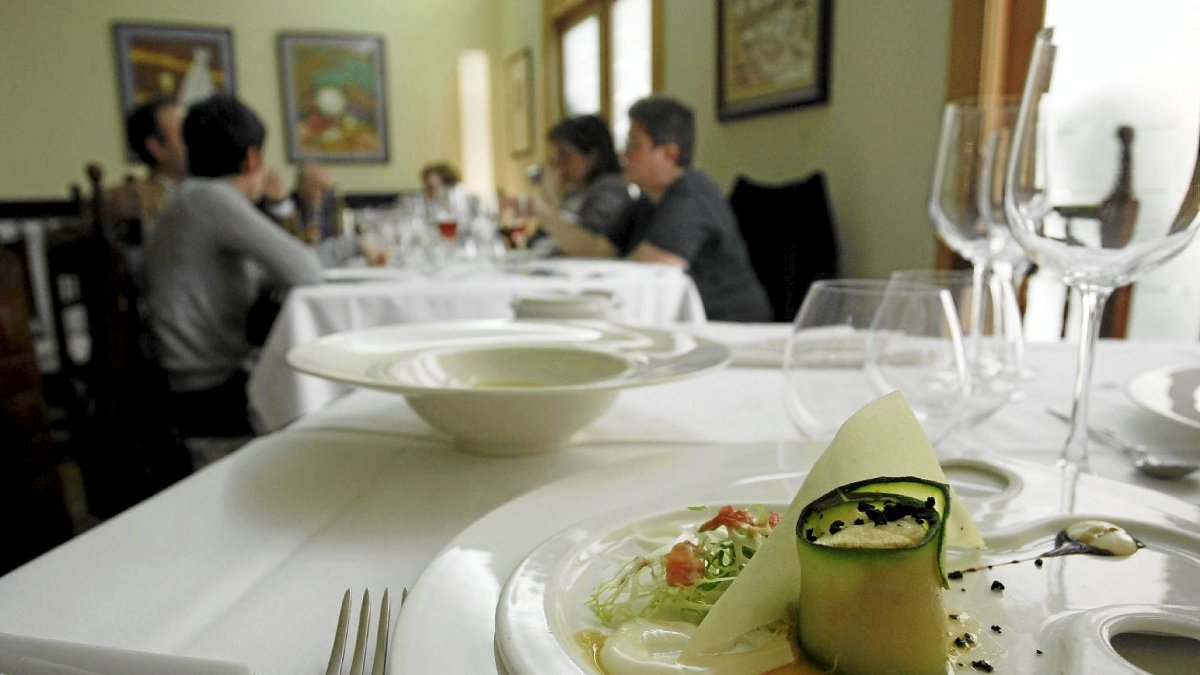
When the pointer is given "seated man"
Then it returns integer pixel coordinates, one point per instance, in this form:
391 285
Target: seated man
213 255
311 211
153 131
682 218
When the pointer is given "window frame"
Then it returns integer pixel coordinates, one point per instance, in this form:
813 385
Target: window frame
561 15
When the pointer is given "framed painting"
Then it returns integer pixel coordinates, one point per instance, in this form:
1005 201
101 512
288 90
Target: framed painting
518 83
182 63
772 55
334 97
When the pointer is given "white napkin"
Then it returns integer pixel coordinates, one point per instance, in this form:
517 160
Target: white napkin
21 655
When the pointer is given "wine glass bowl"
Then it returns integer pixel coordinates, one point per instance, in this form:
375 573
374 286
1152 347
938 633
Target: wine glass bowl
966 199
1101 184
906 341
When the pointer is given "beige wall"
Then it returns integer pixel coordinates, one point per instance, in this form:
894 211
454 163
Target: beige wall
874 139
58 84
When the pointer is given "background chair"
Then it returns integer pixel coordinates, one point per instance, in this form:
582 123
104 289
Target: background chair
33 510
791 237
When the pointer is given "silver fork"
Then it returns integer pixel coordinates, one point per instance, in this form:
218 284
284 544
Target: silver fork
359 661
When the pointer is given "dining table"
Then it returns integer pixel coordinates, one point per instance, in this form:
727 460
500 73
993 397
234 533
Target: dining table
355 297
247 559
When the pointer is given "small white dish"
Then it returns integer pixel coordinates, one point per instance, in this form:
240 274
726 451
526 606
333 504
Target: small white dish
597 305
508 387
1172 392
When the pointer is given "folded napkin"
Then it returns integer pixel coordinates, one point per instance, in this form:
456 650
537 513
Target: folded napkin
39 656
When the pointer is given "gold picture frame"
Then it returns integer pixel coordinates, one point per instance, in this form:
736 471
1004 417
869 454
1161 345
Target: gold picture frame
518 83
334 97
772 55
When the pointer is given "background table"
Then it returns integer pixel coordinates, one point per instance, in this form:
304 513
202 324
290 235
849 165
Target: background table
647 294
247 560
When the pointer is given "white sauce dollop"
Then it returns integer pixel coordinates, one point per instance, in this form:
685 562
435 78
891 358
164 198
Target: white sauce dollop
1104 536
643 647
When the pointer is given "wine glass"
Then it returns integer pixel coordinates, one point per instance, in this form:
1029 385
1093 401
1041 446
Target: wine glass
1102 183
825 360
966 198
990 322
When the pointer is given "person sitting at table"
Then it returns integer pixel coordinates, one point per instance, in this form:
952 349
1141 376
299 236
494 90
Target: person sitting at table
682 218
311 211
153 132
442 191
582 186
213 255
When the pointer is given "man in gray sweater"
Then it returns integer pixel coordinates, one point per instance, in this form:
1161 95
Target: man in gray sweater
214 254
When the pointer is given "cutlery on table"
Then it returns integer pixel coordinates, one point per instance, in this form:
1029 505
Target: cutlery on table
358 661
1143 459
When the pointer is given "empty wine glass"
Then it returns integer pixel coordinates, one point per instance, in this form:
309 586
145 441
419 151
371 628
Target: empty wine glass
990 323
826 360
1102 183
966 199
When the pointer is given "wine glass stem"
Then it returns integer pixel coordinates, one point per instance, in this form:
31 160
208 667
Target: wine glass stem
1075 454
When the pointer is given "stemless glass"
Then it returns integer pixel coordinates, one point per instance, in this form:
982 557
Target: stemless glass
1102 183
993 344
825 361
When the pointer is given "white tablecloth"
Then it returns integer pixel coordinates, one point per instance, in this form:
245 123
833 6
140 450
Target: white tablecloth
646 294
247 560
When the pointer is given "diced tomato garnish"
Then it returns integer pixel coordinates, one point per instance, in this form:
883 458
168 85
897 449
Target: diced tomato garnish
729 516
772 519
683 566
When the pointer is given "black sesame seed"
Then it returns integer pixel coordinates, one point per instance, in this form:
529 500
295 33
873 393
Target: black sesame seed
955 575
982 665
959 642
836 526
995 628
1038 563
1039 652
953 617
997 586
859 521
808 534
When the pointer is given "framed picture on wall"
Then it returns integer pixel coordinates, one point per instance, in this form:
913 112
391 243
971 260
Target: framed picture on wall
334 97
772 55
518 84
183 63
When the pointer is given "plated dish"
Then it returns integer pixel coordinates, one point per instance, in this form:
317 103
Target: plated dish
1171 392
1015 504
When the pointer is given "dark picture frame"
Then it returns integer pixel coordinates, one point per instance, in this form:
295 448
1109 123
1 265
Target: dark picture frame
179 62
334 97
772 55
518 83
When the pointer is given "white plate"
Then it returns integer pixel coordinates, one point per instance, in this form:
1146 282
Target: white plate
448 623
1171 392
20 654
393 358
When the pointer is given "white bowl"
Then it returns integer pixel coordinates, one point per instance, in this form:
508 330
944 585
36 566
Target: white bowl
515 400
500 387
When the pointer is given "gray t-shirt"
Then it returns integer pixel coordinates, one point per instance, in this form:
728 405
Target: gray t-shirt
212 255
693 221
600 206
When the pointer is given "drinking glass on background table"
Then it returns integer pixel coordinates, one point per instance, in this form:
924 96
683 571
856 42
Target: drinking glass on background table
1102 184
837 324
990 322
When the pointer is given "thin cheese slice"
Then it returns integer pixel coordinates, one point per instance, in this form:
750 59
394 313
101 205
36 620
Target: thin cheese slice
882 439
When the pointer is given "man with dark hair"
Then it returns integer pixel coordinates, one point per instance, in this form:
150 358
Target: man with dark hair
213 256
153 132
682 218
